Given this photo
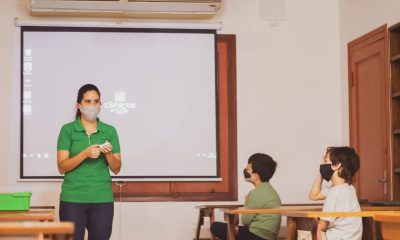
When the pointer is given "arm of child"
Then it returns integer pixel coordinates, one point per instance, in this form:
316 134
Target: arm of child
321 228
316 193
249 202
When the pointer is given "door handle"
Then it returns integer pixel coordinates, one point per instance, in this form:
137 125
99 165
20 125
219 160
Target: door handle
381 181
384 181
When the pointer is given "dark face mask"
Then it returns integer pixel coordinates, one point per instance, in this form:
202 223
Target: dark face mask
326 171
246 174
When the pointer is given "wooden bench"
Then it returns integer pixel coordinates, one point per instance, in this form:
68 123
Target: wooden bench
39 213
209 211
387 226
304 218
40 230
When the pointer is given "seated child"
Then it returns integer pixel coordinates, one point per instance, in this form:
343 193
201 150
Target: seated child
340 165
259 171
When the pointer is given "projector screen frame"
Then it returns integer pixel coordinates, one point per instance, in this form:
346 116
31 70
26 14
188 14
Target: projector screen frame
24 176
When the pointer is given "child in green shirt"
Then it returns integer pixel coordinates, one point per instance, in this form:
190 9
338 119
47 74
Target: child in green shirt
259 171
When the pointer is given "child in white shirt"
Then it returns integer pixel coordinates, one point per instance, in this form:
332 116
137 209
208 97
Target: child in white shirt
339 167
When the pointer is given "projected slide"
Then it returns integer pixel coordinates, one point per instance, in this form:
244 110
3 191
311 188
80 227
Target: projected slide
158 89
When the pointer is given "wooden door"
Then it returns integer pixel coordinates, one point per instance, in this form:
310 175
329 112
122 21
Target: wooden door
369 113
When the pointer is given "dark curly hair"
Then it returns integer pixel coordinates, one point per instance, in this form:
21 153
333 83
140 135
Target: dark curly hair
263 165
349 160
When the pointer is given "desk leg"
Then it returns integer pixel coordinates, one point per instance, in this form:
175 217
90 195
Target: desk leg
210 213
291 228
368 228
200 222
231 227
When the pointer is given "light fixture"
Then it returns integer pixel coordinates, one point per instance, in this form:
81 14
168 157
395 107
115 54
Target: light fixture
272 10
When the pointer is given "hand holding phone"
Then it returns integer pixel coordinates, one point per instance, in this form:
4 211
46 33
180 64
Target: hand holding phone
106 147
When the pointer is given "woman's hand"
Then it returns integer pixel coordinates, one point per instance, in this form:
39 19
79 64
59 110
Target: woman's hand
106 148
66 164
93 151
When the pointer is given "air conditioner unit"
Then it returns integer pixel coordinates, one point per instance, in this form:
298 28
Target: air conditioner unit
126 8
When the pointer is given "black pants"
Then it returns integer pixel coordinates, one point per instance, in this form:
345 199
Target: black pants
219 230
96 217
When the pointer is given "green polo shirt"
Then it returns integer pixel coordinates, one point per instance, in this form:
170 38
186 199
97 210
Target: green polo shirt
265 226
90 182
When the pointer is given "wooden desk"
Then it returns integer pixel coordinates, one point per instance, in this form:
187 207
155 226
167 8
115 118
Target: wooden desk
34 214
304 216
387 217
52 230
208 211
308 221
387 226
279 210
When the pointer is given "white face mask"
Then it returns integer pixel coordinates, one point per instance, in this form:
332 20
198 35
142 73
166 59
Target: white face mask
90 113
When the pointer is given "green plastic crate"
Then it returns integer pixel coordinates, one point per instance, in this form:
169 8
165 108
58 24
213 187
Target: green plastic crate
15 201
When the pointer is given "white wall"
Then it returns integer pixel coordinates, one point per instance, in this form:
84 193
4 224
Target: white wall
358 17
290 105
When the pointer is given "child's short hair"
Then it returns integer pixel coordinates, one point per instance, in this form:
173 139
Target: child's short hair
328 150
350 162
263 165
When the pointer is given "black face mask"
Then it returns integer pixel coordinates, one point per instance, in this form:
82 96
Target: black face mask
246 174
326 171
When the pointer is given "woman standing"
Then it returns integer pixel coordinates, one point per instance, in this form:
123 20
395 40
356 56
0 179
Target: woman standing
86 149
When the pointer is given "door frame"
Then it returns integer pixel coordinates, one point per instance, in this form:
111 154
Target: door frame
359 43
